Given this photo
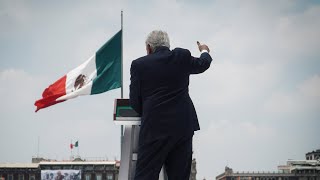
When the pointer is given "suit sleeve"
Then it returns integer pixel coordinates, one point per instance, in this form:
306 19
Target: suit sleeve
201 64
135 93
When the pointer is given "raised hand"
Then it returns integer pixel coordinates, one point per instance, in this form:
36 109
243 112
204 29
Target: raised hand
202 47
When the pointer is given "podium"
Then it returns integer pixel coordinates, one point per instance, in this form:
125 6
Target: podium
124 115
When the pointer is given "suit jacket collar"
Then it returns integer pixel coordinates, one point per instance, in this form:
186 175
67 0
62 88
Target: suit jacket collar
161 48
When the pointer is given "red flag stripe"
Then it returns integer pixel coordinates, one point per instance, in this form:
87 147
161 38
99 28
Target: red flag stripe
50 94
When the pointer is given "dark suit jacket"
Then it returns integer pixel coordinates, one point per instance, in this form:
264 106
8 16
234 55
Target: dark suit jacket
159 92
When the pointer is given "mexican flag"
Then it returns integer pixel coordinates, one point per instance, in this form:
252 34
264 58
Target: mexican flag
74 145
100 73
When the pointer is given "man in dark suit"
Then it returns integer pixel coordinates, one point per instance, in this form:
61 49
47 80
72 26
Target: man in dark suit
159 93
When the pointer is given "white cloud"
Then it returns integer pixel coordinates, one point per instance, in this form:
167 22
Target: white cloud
230 83
297 34
282 103
311 87
258 32
229 143
304 98
16 11
18 88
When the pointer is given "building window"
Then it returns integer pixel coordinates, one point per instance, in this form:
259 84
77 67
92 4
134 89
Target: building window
99 176
88 176
67 167
89 168
244 178
110 177
56 167
99 168
21 177
10 177
32 177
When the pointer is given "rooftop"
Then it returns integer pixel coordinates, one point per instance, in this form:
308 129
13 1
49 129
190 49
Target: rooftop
19 165
316 151
36 165
78 162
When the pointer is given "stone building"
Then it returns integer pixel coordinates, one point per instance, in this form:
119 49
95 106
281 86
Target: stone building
88 170
19 171
314 155
293 170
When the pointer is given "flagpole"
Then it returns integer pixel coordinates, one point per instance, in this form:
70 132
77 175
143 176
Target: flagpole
38 146
78 149
121 133
121 54
71 146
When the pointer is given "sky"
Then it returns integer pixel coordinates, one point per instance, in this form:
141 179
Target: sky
258 104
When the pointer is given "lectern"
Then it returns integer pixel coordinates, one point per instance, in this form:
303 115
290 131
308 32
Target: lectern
124 115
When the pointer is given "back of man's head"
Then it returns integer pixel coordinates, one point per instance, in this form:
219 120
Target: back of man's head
157 38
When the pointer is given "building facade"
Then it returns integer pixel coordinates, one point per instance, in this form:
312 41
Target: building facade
19 171
229 174
314 155
46 170
87 170
308 169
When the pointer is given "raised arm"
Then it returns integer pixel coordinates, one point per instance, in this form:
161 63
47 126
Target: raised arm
201 64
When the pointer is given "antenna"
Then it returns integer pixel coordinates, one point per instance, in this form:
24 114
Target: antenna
38 147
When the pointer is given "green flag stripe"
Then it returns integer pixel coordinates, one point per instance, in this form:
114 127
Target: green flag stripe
108 64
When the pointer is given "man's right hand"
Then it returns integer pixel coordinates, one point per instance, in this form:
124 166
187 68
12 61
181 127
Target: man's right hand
203 47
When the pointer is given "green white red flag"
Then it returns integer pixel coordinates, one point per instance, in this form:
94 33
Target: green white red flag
100 73
74 145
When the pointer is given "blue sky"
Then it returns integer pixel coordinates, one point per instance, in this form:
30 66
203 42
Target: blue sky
258 104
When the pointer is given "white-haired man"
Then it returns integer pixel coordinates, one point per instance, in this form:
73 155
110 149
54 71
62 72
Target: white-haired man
159 93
